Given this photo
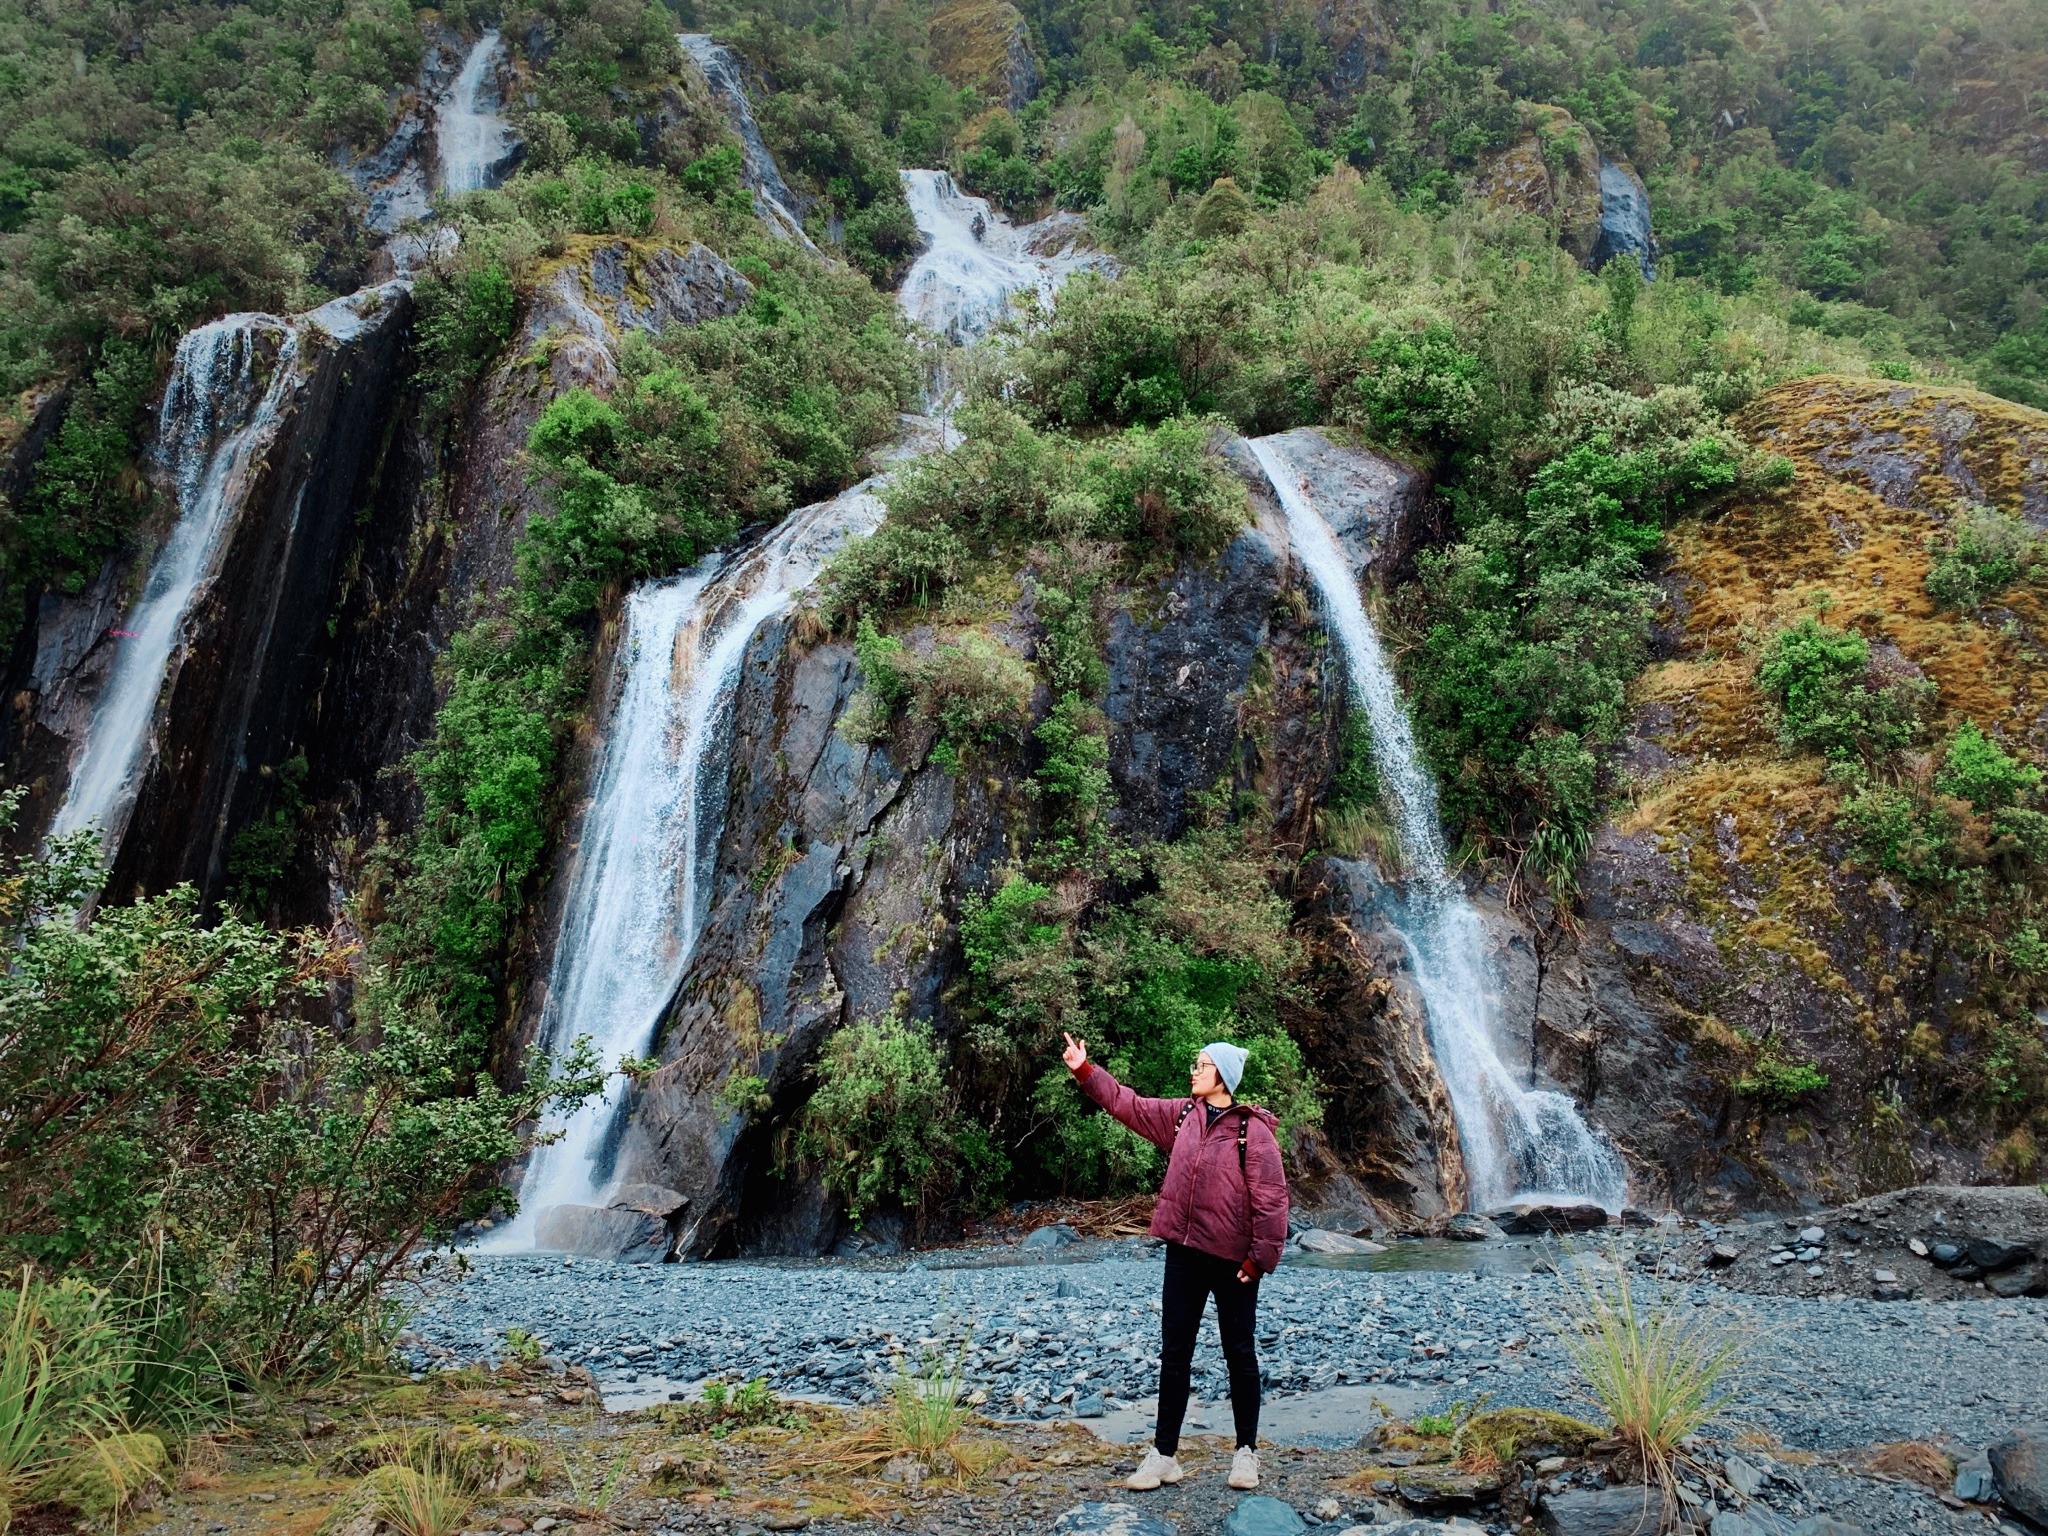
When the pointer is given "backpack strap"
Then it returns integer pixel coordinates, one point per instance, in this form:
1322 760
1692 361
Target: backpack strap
1182 1119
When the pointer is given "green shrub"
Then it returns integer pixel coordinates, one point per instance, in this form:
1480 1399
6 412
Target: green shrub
1779 1084
880 1123
1982 552
977 692
1833 700
1975 768
464 319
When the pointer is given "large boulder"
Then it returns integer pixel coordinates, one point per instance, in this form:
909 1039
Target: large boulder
603 1232
2019 1469
1105 1519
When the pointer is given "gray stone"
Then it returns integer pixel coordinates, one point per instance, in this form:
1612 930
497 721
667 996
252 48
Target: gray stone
2027 1280
1991 1255
1624 219
1471 1227
1812 1235
1744 1478
1095 1519
652 1199
1529 1219
1973 1478
2019 1468
1258 1515
1316 1240
1825 1525
1628 1511
598 1233
1058 1235
1721 1255
1090 1407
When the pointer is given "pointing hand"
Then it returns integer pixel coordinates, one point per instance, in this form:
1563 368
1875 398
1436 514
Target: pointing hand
1075 1054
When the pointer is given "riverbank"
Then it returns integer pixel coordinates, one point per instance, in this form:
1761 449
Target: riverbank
1057 1344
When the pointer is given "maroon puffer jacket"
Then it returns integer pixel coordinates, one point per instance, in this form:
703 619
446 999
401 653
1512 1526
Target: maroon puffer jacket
1204 1203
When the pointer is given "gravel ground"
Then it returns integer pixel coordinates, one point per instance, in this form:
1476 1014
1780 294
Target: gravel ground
1048 1339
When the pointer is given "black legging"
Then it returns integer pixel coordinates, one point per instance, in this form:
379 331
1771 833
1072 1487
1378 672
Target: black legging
1191 1278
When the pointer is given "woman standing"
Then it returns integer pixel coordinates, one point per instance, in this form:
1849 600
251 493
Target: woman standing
1223 1214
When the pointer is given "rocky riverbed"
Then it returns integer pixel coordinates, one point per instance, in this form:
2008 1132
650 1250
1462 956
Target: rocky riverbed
1069 1333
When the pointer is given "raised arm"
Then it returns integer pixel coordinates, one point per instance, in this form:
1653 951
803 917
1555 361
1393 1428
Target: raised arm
1154 1119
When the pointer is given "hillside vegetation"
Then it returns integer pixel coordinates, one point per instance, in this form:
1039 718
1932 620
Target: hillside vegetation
1641 529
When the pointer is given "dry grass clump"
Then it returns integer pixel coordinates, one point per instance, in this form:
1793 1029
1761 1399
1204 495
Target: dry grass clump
1913 1461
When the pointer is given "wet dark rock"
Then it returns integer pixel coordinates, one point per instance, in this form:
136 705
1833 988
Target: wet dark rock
1471 1227
1991 1255
237 690
1521 1220
1621 1511
2019 1470
601 1232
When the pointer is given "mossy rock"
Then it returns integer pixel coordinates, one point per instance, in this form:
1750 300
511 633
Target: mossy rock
1432 1487
485 1459
1510 1434
108 1478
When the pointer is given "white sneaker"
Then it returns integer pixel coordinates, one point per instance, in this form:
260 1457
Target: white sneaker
1154 1470
1244 1468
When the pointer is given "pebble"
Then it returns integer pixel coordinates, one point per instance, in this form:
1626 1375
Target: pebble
1087 1331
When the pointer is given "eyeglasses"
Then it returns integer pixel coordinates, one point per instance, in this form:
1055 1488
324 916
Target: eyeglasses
1199 1063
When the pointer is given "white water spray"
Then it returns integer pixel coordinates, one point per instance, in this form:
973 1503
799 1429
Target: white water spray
975 260
639 899
773 201
1516 1141
217 412
473 137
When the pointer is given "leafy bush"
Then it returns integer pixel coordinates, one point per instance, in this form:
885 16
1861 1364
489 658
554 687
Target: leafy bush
1836 699
1983 552
1776 1083
880 1124
464 320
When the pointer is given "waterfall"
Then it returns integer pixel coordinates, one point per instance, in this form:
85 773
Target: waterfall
224 394
773 200
639 897
1516 1141
474 140
975 260
638 900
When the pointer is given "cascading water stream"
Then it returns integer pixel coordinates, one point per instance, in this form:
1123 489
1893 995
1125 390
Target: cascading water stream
217 409
975 261
638 898
773 200
656 812
1516 1141
472 135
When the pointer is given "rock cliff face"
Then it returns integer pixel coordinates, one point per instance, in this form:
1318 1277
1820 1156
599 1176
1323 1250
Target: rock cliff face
440 539
1556 172
985 45
246 656
842 867
1724 909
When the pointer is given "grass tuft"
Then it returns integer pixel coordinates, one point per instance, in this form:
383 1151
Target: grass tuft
1657 1368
